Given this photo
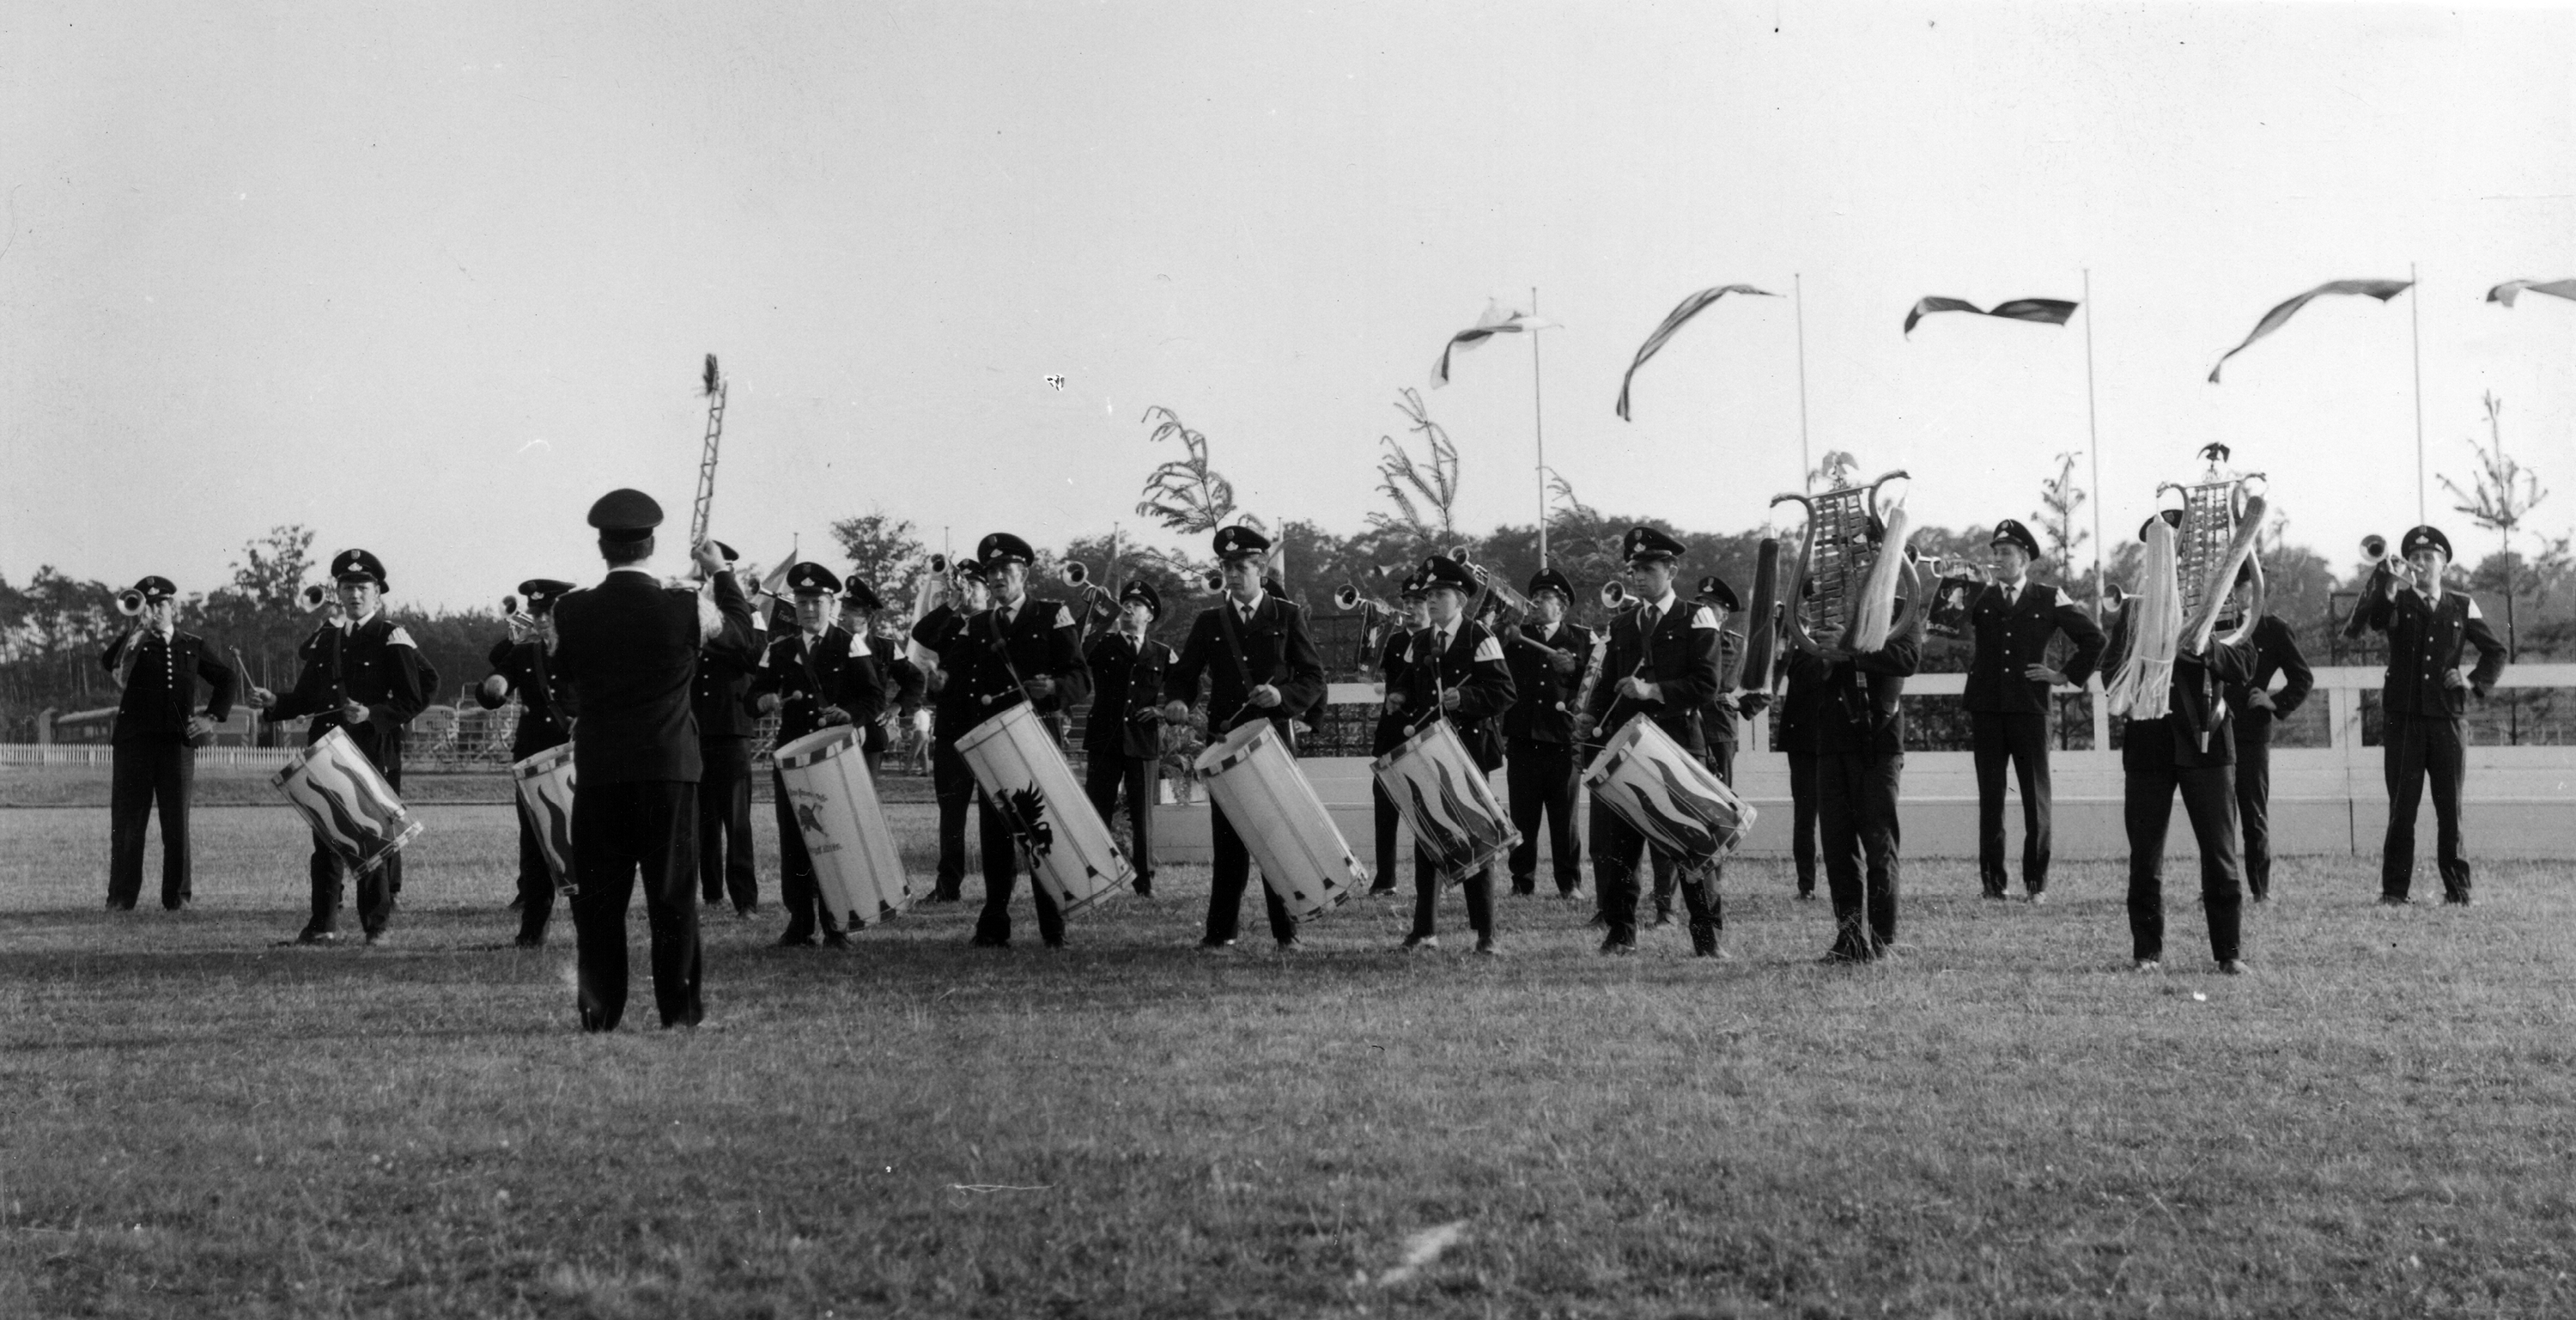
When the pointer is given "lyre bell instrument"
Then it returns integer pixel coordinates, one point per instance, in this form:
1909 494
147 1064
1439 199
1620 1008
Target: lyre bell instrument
2221 513
1851 570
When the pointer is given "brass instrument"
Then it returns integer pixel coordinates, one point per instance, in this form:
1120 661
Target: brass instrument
1077 575
315 596
1215 579
129 603
1348 599
1491 586
1851 563
1614 596
1952 594
2221 513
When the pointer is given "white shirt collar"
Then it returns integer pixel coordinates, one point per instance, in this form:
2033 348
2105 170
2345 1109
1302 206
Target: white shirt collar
1247 607
1663 606
353 625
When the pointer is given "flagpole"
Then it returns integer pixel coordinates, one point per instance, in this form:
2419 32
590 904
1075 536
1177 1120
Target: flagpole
2093 437
1798 301
2415 323
1538 429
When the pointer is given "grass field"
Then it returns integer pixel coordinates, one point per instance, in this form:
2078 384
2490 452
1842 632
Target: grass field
2002 1121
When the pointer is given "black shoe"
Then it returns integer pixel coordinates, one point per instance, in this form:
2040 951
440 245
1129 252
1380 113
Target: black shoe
792 940
746 912
1600 921
1843 955
834 939
1381 891
984 941
1419 944
377 939
2038 896
1052 941
1704 942
1292 944
2233 967
1215 945
311 936
2392 900
2455 900
1487 947
1144 886
1615 947
1806 896
114 906
1525 888
1663 918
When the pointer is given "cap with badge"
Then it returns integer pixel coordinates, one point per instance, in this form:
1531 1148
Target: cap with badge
1714 590
357 566
1441 571
856 594
968 570
1416 584
1548 579
2011 532
625 515
542 593
1240 542
1003 548
812 579
1642 543
2418 538
155 589
1140 592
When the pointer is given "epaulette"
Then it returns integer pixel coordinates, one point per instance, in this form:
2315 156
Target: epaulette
1704 617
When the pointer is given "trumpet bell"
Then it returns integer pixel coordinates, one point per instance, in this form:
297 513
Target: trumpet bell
2374 546
129 603
1613 595
1076 572
1215 580
314 598
509 605
1346 598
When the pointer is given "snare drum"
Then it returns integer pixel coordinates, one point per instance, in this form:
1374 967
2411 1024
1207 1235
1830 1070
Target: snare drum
346 800
837 814
1023 773
1283 824
545 789
1446 800
1664 793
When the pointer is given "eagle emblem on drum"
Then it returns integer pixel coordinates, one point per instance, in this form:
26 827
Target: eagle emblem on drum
1028 811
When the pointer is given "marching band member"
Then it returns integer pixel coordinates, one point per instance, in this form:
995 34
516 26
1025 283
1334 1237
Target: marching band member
2184 751
629 647
1717 722
1666 656
1546 656
811 680
1460 676
523 662
1797 735
2255 708
718 697
1122 742
1023 649
2428 629
361 673
1260 662
1393 726
859 605
2009 702
1858 733
157 668
943 633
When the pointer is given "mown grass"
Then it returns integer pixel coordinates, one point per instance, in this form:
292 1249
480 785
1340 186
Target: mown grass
2001 1121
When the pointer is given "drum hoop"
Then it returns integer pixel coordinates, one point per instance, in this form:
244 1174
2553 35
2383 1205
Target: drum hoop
529 767
845 735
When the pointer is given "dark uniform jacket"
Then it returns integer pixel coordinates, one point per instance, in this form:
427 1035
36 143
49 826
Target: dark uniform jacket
719 692
1277 649
2193 734
1799 705
901 685
530 672
2011 640
630 651
1393 727
1542 698
1717 719
1681 659
1126 696
377 666
1473 667
991 659
2424 645
942 632
1857 706
161 694
810 673
2276 651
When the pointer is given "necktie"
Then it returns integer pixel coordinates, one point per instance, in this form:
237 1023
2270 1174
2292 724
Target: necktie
2012 597
1647 620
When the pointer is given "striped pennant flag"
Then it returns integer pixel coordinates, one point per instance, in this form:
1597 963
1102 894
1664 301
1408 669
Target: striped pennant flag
2044 311
2511 289
1497 320
1690 307
2274 319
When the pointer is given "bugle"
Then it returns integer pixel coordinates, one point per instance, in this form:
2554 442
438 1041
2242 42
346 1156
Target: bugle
129 603
1078 576
314 597
1348 599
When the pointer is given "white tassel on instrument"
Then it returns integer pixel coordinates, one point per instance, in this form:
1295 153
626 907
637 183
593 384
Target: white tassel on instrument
2143 688
1878 594
2222 580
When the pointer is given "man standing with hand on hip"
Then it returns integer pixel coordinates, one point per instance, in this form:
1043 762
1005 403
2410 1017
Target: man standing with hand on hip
629 648
2010 708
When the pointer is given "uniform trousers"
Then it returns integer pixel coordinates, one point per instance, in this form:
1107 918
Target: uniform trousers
1426 898
2414 749
1616 852
536 879
1998 737
1104 775
1720 759
1543 778
797 890
376 886
1002 875
1231 873
2209 801
621 831
149 771
954 785
2254 799
1856 796
724 824
1802 818
1385 818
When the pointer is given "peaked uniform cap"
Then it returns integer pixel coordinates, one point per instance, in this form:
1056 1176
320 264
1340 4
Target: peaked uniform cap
2013 531
1647 543
1548 579
2419 537
542 592
1003 548
860 595
353 565
1714 589
156 587
812 579
1416 583
1442 571
1139 591
723 551
625 514
1240 542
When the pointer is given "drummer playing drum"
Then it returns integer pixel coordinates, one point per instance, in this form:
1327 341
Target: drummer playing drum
1460 675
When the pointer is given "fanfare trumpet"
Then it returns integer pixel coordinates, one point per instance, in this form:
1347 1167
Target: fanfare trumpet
129 603
1348 598
1491 586
314 597
1078 576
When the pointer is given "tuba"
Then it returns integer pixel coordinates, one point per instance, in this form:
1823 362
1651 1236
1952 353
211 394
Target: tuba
1851 568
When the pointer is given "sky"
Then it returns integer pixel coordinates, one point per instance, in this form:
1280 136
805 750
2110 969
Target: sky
430 278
